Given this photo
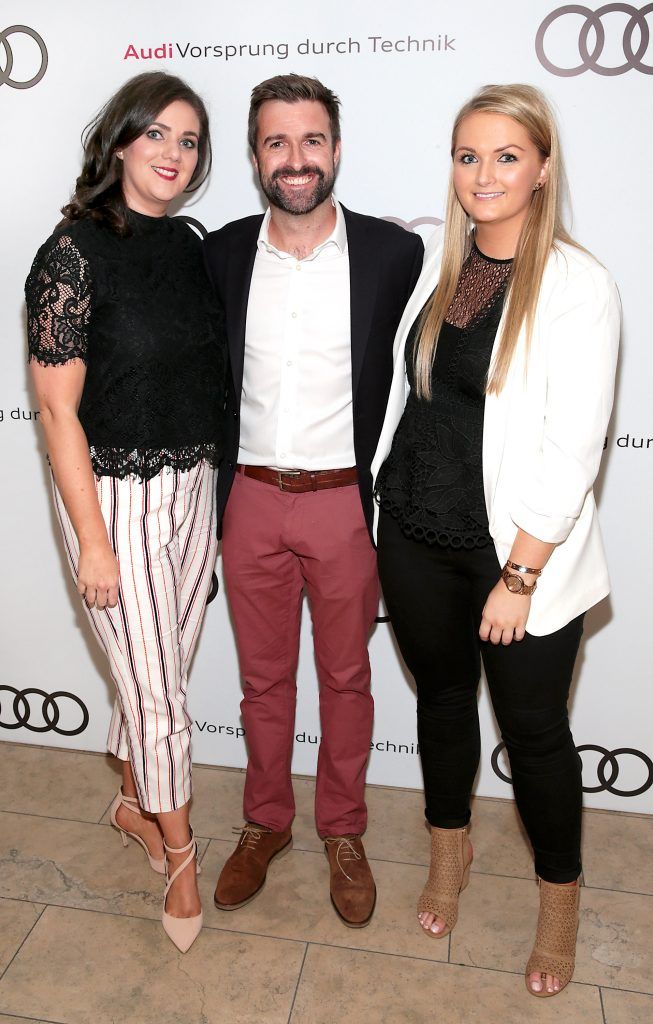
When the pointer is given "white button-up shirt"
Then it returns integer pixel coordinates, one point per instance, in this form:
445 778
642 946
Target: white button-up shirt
296 405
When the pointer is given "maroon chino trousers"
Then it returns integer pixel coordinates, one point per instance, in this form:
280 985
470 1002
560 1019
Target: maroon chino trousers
274 545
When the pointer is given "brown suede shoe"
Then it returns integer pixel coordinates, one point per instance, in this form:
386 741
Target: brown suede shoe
353 892
243 876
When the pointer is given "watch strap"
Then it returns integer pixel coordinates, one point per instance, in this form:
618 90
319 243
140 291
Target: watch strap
515 583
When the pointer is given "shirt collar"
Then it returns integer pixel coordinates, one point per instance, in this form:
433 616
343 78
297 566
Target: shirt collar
337 238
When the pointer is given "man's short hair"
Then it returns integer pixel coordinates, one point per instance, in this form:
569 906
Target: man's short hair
291 89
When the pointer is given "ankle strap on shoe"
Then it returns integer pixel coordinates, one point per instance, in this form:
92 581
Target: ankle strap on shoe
192 846
182 849
131 803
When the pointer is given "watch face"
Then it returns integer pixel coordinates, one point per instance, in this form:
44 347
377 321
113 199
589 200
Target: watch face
514 583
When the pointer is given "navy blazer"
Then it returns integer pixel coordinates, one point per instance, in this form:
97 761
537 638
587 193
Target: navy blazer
384 264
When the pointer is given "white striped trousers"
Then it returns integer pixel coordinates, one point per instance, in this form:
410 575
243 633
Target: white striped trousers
163 533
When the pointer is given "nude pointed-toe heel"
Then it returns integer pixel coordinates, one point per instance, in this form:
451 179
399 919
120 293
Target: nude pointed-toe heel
181 930
131 803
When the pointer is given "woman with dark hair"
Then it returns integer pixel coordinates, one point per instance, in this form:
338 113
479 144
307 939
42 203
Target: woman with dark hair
489 541
128 357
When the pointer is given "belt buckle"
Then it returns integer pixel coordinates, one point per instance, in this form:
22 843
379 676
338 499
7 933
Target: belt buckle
286 472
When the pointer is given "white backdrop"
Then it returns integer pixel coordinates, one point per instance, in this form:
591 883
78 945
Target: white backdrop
402 71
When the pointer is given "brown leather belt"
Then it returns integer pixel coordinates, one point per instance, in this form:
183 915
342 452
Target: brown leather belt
299 480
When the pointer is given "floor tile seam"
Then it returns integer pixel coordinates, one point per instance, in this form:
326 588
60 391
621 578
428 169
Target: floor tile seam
88 821
22 1017
306 942
425 864
391 860
233 769
624 892
443 963
200 860
106 811
154 920
25 938
299 978
377 860
39 1020
301 849
19 899
602 1006
628 991
54 817
472 967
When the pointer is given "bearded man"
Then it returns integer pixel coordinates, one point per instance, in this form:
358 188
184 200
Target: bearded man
313 295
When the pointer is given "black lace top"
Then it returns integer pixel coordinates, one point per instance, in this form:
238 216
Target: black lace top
432 480
140 313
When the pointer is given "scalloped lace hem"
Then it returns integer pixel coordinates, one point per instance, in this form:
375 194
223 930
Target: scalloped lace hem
431 535
146 463
50 357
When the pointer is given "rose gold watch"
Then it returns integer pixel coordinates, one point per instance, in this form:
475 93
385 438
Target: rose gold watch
515 583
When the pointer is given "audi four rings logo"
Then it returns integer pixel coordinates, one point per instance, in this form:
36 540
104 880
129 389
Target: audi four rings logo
39 711
412 225
636 35
607 770
6 71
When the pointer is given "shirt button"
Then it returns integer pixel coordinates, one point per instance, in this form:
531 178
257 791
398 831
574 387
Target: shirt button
298 267
294 316
282 454
289 362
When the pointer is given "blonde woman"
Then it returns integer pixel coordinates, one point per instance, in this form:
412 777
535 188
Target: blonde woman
489 544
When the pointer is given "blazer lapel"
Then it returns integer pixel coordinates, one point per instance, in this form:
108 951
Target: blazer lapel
238 281
502 411
363 284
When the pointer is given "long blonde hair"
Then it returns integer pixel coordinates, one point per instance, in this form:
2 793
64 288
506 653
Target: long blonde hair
542 229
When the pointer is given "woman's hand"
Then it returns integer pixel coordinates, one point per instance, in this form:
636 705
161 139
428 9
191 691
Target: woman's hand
504 616
98 576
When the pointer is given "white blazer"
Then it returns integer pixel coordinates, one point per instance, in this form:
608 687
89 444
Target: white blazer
543 435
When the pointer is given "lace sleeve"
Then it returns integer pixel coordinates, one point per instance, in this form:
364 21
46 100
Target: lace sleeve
58 297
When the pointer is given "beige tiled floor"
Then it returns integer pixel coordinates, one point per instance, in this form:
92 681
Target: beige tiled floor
80 941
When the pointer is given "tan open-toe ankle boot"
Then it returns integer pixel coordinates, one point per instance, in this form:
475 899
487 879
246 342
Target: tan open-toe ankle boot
451 860
131 803
554 951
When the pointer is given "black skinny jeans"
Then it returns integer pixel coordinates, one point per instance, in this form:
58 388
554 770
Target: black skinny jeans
435 596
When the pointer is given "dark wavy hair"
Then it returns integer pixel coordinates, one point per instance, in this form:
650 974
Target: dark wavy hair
127 115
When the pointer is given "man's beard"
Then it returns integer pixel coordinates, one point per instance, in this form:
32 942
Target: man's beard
301 202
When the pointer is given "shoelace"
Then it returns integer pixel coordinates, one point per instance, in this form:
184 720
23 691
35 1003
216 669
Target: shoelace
249 834
345 849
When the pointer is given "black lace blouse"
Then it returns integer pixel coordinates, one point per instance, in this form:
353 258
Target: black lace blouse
140 313
432 480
